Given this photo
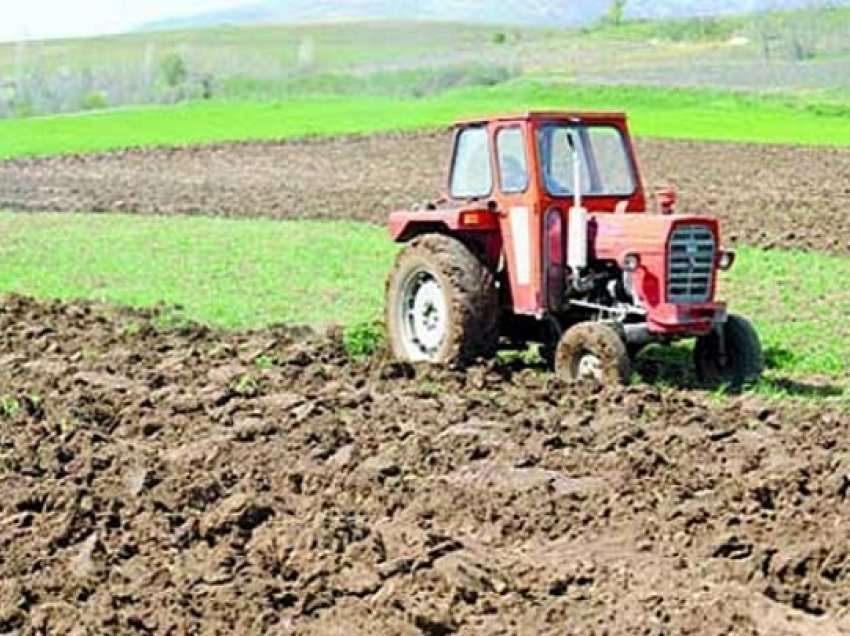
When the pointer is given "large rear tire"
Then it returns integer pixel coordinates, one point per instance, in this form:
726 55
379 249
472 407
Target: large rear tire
442 305
737 362
593 351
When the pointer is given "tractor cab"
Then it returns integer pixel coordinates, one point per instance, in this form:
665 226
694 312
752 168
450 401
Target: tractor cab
549 211
543 155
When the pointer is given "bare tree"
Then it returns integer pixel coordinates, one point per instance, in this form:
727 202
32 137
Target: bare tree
797 35
803 32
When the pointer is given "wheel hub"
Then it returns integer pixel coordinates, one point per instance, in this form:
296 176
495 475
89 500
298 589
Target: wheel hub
424 316
590 368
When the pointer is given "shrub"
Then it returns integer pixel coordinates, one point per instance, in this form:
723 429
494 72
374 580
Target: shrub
171 319
363 340
701 29
95 100
23 107
246 385
499 38
442 79
10 406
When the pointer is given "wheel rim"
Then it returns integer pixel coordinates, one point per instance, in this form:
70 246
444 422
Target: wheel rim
589 367
423 316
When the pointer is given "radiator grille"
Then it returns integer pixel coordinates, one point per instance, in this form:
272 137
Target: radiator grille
690 264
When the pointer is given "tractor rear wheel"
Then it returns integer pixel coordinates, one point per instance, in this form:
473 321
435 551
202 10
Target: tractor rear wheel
441 303
593 351
731 355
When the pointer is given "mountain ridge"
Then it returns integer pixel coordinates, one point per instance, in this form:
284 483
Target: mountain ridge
505 12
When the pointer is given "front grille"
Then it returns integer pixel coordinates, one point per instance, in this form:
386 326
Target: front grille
690 264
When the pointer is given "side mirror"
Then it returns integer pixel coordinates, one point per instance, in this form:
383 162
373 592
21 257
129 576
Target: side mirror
666 198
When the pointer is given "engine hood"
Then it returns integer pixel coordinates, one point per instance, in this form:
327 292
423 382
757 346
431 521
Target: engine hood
613 236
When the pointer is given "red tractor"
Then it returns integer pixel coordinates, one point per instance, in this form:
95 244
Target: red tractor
545 237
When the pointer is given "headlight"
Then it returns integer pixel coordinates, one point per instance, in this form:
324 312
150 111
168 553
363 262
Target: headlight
631 263
725 260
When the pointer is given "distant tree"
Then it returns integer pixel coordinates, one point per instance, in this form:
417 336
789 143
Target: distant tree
499 38
767 25
306 53
148 65
173 69
616 13
808 33
207 87
799 35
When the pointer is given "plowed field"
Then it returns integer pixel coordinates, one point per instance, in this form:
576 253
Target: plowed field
771 196
195 481
234 483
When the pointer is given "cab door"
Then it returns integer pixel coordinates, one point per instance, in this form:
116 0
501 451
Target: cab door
521 224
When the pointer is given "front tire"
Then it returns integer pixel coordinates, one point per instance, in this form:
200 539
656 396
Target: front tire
593 351
731 355
441 303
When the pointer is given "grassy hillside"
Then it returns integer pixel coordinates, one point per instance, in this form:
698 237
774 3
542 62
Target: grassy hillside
233 50
655 113
790 51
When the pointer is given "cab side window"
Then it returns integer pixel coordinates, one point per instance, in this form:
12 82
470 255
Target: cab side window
471 173
513 167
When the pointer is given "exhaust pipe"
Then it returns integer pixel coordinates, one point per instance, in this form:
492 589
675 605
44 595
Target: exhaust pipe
577 241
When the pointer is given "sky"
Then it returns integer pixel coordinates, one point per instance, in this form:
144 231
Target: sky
38 19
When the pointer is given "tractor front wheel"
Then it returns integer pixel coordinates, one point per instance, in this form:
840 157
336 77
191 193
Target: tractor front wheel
593 351
442 305
731 355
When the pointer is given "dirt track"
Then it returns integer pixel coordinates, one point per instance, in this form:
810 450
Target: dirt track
766 195
169 484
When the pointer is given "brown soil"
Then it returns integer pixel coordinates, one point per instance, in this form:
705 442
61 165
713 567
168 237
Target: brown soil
168 483
773 196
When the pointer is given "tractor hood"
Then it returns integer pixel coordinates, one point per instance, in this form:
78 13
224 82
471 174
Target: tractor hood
613 236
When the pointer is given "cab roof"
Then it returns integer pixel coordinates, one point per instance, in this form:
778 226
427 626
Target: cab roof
547 115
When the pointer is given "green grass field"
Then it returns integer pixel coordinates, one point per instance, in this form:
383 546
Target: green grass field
800 317
252 273
672 113
233 274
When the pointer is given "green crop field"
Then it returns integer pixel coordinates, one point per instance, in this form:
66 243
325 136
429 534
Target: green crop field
235 274
253 273
673 113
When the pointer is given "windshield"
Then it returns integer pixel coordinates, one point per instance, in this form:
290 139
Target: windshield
606 169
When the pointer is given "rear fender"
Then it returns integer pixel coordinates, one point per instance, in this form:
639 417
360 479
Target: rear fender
475 226
405 224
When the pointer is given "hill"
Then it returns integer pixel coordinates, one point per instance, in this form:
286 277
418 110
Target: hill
513 12
519 12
